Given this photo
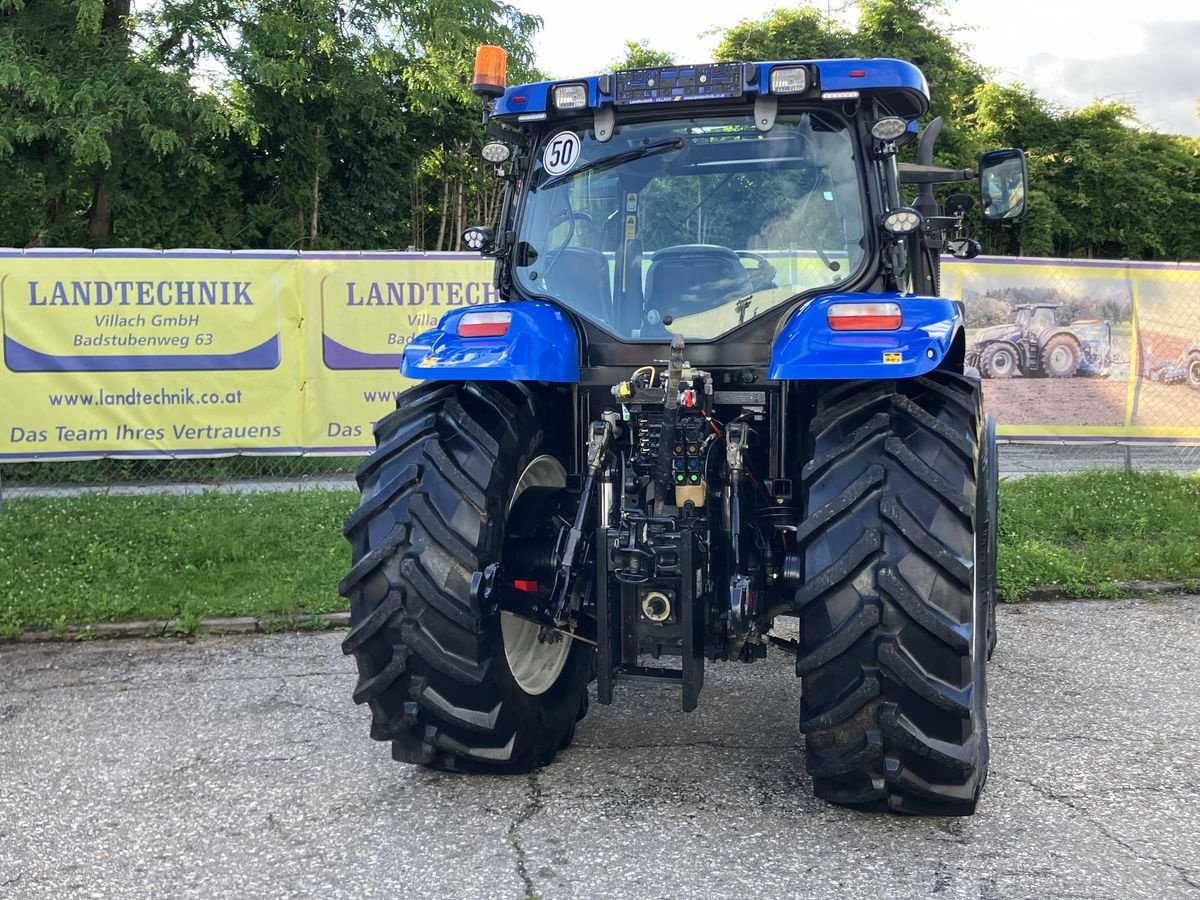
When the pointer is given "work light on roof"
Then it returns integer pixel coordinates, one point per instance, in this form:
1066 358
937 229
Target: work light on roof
570 96
479 238
495 152
789 80
889 128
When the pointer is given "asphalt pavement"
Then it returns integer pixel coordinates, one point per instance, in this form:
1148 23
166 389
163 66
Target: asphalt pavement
238 767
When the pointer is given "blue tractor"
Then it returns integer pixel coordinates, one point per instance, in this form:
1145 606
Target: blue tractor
720 389
1035 344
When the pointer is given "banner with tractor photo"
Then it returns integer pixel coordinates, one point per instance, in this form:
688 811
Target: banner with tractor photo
145 353
1084 350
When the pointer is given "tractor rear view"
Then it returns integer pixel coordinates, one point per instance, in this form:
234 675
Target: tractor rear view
720 388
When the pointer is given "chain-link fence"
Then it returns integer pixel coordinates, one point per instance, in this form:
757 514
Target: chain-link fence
1052 458
1087 351
246 473
256 473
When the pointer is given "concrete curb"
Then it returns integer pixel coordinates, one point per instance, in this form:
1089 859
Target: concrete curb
1050 593
173 628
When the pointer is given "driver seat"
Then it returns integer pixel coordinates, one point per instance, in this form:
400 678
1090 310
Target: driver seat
692 278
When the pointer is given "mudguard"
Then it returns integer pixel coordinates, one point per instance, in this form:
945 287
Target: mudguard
540 345
808 349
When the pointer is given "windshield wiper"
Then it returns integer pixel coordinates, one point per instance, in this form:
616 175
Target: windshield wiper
675 143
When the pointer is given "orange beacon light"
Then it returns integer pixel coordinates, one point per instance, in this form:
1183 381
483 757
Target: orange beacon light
491 64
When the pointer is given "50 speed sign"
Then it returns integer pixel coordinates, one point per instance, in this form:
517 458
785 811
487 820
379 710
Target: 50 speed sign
561 152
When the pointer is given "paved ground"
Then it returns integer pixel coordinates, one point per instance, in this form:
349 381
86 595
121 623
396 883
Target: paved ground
238 767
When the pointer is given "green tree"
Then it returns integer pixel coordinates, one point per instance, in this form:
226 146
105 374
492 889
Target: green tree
83 113
794 33
903 29
343 107
640 55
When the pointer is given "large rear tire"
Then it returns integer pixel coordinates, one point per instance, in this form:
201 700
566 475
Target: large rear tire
451 681
998 361
893 625
1193 371
1061 357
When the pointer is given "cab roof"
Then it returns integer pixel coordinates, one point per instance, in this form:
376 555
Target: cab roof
899 86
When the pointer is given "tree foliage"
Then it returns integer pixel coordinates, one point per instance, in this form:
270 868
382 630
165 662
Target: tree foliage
640 55
245 123
326 124
1100 186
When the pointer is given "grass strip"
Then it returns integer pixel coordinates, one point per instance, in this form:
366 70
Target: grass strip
97 558
1086 533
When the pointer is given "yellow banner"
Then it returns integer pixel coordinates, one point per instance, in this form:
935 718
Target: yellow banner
365 309
186 353
148 354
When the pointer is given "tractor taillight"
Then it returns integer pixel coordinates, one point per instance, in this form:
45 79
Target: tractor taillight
484 324
864 316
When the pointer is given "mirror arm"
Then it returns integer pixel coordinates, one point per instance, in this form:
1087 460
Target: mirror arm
505 135
914 173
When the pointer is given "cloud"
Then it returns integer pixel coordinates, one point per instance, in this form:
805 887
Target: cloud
1161 80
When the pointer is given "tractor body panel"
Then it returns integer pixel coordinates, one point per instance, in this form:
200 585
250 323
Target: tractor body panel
809 349
1011 333
539 344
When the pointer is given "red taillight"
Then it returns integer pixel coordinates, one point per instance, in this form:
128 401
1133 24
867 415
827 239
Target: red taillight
484 324
864 316
525 585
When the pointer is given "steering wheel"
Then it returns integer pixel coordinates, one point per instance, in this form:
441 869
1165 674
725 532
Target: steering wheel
763 274
564 215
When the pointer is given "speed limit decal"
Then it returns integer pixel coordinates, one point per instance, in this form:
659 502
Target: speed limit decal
561 153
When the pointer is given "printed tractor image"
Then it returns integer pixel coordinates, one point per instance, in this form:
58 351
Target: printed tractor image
1037 345
720 388
1184 368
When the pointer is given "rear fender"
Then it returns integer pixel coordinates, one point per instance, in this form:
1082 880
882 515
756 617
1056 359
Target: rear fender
808 349
540 345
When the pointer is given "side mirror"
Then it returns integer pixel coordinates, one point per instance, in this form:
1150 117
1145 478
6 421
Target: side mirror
1002 178
964 248
959 203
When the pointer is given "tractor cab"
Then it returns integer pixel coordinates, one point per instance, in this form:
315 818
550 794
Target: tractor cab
712 202
1033 319
1033 322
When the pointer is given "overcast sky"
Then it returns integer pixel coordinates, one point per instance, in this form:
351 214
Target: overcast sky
1069 51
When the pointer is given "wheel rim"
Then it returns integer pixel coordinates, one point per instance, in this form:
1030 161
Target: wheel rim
1194 373
1060 359
535 664
1002 362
